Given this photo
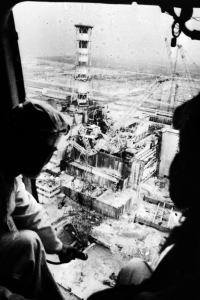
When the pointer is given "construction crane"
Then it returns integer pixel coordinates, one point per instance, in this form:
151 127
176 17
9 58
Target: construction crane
174 86
171 98
187 70
169 55
139 102
175 94
193 63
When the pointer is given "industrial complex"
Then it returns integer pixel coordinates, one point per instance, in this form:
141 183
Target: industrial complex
106 186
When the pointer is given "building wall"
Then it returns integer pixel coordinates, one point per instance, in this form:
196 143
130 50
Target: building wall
136 174
103 160
169 147
105 209
78 197
150 171
97 205
91 177
47 198
111 211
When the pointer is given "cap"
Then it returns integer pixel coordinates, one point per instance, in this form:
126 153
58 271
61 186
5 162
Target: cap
43 117
33 122
34 119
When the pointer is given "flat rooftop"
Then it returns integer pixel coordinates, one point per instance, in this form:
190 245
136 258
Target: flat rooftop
116 199
65 177
46 183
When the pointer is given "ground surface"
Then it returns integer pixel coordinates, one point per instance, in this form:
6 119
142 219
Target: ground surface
120 241
83 278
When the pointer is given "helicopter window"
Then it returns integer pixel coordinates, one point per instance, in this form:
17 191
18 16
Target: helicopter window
115 56
112 71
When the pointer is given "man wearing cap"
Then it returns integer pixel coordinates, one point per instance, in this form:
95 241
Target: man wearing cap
32 131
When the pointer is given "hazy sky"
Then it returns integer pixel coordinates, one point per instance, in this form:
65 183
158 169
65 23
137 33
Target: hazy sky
128 32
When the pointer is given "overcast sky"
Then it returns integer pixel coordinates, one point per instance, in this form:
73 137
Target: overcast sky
129 32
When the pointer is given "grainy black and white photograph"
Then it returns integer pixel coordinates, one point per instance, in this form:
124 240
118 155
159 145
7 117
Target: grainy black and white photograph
100 157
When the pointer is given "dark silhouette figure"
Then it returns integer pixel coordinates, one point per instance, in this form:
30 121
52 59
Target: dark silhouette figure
31 133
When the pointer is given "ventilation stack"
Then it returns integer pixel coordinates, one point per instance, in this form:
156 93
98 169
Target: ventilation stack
81 89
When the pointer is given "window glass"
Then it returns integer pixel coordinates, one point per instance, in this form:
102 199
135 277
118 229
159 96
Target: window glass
112 71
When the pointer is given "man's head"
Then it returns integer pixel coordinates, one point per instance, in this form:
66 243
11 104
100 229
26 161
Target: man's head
32 132
185 168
